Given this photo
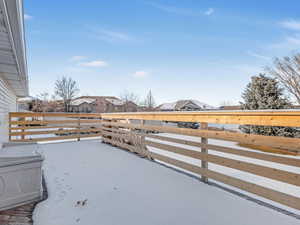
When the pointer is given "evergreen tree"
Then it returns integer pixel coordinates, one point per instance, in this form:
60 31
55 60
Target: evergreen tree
264 93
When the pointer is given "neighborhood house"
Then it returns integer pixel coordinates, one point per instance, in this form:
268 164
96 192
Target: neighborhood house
185 105
101 104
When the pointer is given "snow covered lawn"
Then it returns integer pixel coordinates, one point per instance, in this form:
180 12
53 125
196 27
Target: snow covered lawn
92 183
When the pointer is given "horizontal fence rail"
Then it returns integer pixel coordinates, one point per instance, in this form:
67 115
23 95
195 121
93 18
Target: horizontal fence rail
41 127
159 136
264 118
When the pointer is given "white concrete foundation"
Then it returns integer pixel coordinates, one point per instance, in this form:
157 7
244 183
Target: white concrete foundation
20 176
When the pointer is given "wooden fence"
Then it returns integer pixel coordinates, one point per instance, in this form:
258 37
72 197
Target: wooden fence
134 132
137 133
38 127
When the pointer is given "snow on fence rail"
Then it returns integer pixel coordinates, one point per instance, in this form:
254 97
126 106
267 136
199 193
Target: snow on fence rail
119 129
140 138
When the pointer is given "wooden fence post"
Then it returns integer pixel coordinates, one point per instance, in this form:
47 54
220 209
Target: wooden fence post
104 135
142 122
22 136
9 127
78 139
204 164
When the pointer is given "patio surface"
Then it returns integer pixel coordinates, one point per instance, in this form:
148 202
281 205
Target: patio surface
93 183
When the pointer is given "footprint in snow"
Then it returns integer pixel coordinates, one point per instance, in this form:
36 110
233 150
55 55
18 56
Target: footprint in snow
81 203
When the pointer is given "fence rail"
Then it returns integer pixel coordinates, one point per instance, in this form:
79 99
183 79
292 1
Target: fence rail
180 147
38 127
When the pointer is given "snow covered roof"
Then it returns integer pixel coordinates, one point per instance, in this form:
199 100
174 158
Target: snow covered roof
115 101
168 106
92 99
202 105
79 101
178 105
26 99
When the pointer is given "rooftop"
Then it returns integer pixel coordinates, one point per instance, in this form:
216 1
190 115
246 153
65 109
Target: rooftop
79 101
181 103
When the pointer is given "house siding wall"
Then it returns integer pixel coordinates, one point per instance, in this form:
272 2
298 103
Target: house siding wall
8 103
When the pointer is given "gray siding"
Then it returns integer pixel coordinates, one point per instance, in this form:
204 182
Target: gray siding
7 104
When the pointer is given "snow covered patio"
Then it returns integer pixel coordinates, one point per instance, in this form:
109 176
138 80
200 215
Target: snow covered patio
93 183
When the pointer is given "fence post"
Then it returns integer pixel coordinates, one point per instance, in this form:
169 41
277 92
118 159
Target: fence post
22 130
79 133
107 126
9 127
204 164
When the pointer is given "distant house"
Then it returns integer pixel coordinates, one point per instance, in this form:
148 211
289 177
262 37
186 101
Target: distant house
102 104
36 105
83 105
185 105
25 104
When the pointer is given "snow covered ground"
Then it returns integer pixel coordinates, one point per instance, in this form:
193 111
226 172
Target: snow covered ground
92 183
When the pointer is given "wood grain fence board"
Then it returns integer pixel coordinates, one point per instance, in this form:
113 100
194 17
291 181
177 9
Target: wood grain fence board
111 134
50 127
272 173
241 152
264 118
292 144
33 114
119 131
45 122
55 138
53 132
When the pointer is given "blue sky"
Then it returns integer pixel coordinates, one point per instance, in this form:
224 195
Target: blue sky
205 50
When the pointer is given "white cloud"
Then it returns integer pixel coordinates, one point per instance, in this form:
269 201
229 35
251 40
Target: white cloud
259 56
291 24
113 35
293 40
110 35
140 74
173 9
209 11
27 17
288 43
180 11
95 63
76 58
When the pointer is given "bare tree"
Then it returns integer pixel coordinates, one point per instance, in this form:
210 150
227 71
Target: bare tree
149 102
44 100
128 98
66 88
40 102
287 71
